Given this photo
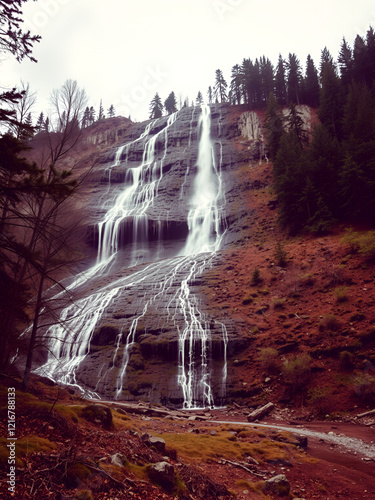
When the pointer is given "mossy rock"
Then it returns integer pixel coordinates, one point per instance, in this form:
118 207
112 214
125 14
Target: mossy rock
104 335
99 414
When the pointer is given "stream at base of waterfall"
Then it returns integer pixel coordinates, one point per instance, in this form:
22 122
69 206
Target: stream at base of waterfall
156 283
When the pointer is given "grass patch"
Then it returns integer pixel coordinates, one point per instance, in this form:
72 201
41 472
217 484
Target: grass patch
203 447
330 323
25 446
362 243
341 294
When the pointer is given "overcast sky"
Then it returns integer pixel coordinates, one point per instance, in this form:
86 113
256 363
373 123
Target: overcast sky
124 51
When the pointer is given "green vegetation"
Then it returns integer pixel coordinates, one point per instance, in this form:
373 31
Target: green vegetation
281 257
255 277
205 447
341 294
362 243
270 359
296 372
332 178
330 323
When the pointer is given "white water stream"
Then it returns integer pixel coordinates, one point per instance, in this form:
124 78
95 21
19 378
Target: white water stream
70 338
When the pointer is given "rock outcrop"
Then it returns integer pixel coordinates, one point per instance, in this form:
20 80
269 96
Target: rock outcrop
133 347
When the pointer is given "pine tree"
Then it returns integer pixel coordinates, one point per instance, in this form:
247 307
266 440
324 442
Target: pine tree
235 84
220 89
345 61
311 84
280 85
156 107
331 96
290 181
12 38
40 123
170 104
92 115
294 79
295 124
111 111
86 118
325 160
209 95
267 78
199 99
274 126
101 115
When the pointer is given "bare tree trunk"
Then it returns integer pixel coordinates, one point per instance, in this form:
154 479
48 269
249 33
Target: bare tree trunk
30 353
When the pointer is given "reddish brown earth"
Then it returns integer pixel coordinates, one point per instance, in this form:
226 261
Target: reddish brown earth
289 309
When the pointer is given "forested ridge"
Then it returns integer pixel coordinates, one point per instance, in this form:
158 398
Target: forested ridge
329 177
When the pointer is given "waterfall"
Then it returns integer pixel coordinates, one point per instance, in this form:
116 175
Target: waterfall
160 284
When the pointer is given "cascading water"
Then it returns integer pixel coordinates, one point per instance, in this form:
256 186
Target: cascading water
167 282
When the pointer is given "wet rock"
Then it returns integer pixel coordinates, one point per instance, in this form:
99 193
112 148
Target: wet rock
162 473
104 335
279 485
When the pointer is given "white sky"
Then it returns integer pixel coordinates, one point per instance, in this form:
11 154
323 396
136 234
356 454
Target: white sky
123 51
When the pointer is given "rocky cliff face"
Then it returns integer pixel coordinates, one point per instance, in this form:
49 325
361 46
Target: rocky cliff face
138 327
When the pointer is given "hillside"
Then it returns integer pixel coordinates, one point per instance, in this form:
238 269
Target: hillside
318 301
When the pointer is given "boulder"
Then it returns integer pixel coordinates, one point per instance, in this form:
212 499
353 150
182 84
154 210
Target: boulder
162 473
279 485
300 441
157 443
118 459
99 414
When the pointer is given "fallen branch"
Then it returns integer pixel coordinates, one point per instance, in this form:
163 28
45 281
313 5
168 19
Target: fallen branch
98 469
260 412
241 466
371 412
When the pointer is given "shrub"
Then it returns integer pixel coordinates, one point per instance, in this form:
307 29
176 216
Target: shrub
306 280
361 243
321 400
270 360
346 360
281 257
364 387
255 277
248 299
329 322
341 294
296 372
278 303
